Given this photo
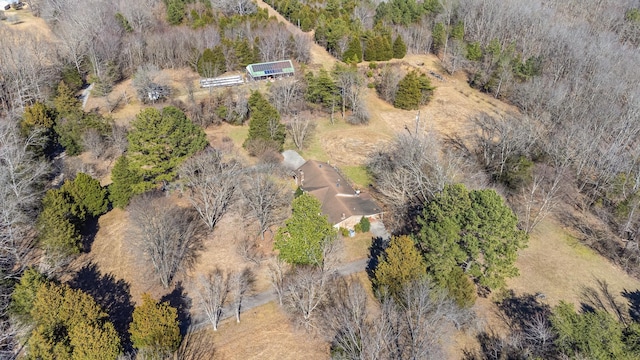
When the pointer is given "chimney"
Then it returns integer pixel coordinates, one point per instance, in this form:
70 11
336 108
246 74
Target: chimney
301 178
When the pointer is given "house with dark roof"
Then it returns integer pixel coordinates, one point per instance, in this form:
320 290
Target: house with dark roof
343 205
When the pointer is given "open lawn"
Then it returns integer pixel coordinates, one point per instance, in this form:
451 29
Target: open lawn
557 265
265 333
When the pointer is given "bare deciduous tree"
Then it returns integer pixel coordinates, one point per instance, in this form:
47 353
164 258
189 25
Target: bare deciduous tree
287 95
264 200
241 284
277 271
305 293
212 291
300 128
410 170
92 140
210 184
167 236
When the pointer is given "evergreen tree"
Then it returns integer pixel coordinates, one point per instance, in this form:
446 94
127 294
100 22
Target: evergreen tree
175 11
245 54
86 195
474 229
408 95
37 116
593 335
162 140
65 101
439 36
125 180
155 329
399 48
371 49
353 54
302 238
474 51
400 265
24 294
211 63
460 288
68 324
321 89
57 232
264 124
386 50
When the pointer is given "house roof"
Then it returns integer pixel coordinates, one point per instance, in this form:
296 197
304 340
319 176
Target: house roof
271 68
339 200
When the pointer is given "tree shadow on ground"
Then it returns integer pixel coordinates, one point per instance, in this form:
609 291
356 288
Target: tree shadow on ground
179 300
517 311
89 230
111 294
633 297
378 245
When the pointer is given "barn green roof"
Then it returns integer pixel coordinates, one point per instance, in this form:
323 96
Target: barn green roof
273 68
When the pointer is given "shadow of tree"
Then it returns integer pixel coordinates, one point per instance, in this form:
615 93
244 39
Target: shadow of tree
111 294
378 245
633 298
527 318
89 229
517 311
179 300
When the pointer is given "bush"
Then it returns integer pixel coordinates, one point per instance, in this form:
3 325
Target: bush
365 224
357 228
344 232
373 65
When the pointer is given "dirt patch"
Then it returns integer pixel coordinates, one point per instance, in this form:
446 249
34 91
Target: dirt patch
265 333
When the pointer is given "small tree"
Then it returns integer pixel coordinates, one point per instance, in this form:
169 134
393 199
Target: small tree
400 265
155 328
24 294
399 48
365 224
353 54
264 123
68 324
413 90
212 291
305 233
125 180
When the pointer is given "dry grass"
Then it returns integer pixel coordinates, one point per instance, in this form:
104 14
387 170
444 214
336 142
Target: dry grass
265 333
26 22
357 247
559 266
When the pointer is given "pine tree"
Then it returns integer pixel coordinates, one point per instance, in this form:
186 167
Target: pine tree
264 124
399 48
474 229
175 12
211 63
408 95
68 324
65 101
155 329
125 179
24 294
386 50
162 140
439 36
57 233
400 265
87 196
353 54
244 53
371 49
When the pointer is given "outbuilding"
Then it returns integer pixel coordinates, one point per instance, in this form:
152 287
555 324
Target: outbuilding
269 70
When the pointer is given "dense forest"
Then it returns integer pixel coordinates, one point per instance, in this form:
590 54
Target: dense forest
461 206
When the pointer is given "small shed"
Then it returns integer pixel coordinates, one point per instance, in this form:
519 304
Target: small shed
269 70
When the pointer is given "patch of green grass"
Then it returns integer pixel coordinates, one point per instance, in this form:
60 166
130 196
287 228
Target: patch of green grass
238 134
313 151
579 248
357 174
